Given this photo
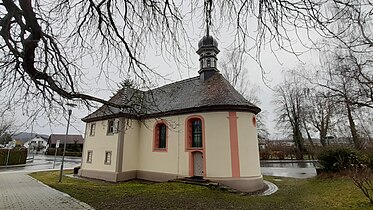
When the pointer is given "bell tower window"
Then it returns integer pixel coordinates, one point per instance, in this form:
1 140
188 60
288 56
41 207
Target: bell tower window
208 62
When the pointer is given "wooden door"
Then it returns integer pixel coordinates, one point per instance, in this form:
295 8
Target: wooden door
198 163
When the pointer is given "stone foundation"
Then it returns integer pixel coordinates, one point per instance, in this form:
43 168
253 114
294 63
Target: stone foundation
244 184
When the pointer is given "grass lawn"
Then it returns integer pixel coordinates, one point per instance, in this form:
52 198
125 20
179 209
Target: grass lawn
315 193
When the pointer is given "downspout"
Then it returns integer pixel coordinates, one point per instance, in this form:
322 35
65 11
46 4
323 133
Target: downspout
120 144
178 146
84 146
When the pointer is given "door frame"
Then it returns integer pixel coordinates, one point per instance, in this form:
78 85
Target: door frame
191 162
194 158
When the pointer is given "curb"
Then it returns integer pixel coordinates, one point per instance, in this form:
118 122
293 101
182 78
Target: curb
13 166
272 188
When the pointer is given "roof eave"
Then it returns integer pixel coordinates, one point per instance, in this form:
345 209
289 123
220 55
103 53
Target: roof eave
245 108
214 108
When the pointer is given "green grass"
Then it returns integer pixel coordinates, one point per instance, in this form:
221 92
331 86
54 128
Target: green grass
315 193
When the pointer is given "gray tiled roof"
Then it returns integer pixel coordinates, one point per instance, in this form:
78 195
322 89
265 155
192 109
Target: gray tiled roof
186 96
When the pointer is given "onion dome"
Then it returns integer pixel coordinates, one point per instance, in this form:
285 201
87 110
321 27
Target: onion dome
207 41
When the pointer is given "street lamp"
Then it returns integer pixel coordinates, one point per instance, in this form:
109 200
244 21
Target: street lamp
64 144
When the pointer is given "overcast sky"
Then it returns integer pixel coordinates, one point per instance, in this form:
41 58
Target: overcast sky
105 86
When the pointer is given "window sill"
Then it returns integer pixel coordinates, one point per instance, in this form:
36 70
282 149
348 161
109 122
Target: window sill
194 148
159 149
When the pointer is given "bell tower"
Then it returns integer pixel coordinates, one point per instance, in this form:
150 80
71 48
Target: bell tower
207 49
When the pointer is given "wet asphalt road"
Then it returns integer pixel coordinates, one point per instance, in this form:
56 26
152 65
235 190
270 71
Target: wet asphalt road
42 163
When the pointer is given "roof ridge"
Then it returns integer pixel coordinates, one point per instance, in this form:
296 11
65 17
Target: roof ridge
173 83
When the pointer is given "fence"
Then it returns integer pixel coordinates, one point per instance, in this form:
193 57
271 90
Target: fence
13 156
51 151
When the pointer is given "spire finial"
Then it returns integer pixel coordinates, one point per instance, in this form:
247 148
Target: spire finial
208 8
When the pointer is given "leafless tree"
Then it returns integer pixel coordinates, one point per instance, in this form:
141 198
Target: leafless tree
42 42
234 70
290 102
345 91
6 130
364 117
351 47
319 112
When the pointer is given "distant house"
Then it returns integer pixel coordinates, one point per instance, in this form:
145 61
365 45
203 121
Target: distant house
38 144
11 144
73 142
23 137
282 142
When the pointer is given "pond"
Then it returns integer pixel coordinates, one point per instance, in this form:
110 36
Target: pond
287 164
286 168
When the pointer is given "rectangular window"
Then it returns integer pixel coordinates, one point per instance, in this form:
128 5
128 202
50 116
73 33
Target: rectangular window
93 129
107 157
89 156
110 127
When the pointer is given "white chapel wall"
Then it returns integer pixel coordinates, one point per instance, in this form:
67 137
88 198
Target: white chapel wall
248 145
99 144
131 153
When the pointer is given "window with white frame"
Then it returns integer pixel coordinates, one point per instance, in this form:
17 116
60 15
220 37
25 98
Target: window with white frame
89 156
92 130
107 157
110 127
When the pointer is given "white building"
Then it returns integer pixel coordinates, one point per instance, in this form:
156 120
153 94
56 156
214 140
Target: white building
200 127
36 145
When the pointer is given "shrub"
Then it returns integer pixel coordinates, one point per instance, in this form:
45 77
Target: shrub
338 158
16 156
369 160
51 151
362 177
357 165
264 155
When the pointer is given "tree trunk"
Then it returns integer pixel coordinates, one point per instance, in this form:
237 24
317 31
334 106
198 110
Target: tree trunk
298 141
308 135
355 135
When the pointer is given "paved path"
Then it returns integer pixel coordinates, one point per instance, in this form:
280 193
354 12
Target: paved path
20 191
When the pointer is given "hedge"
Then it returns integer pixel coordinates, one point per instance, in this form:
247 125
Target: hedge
334 159
16 156
51 151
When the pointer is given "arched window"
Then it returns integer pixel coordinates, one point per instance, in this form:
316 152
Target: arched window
208 62
194 133
197 133
160 136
